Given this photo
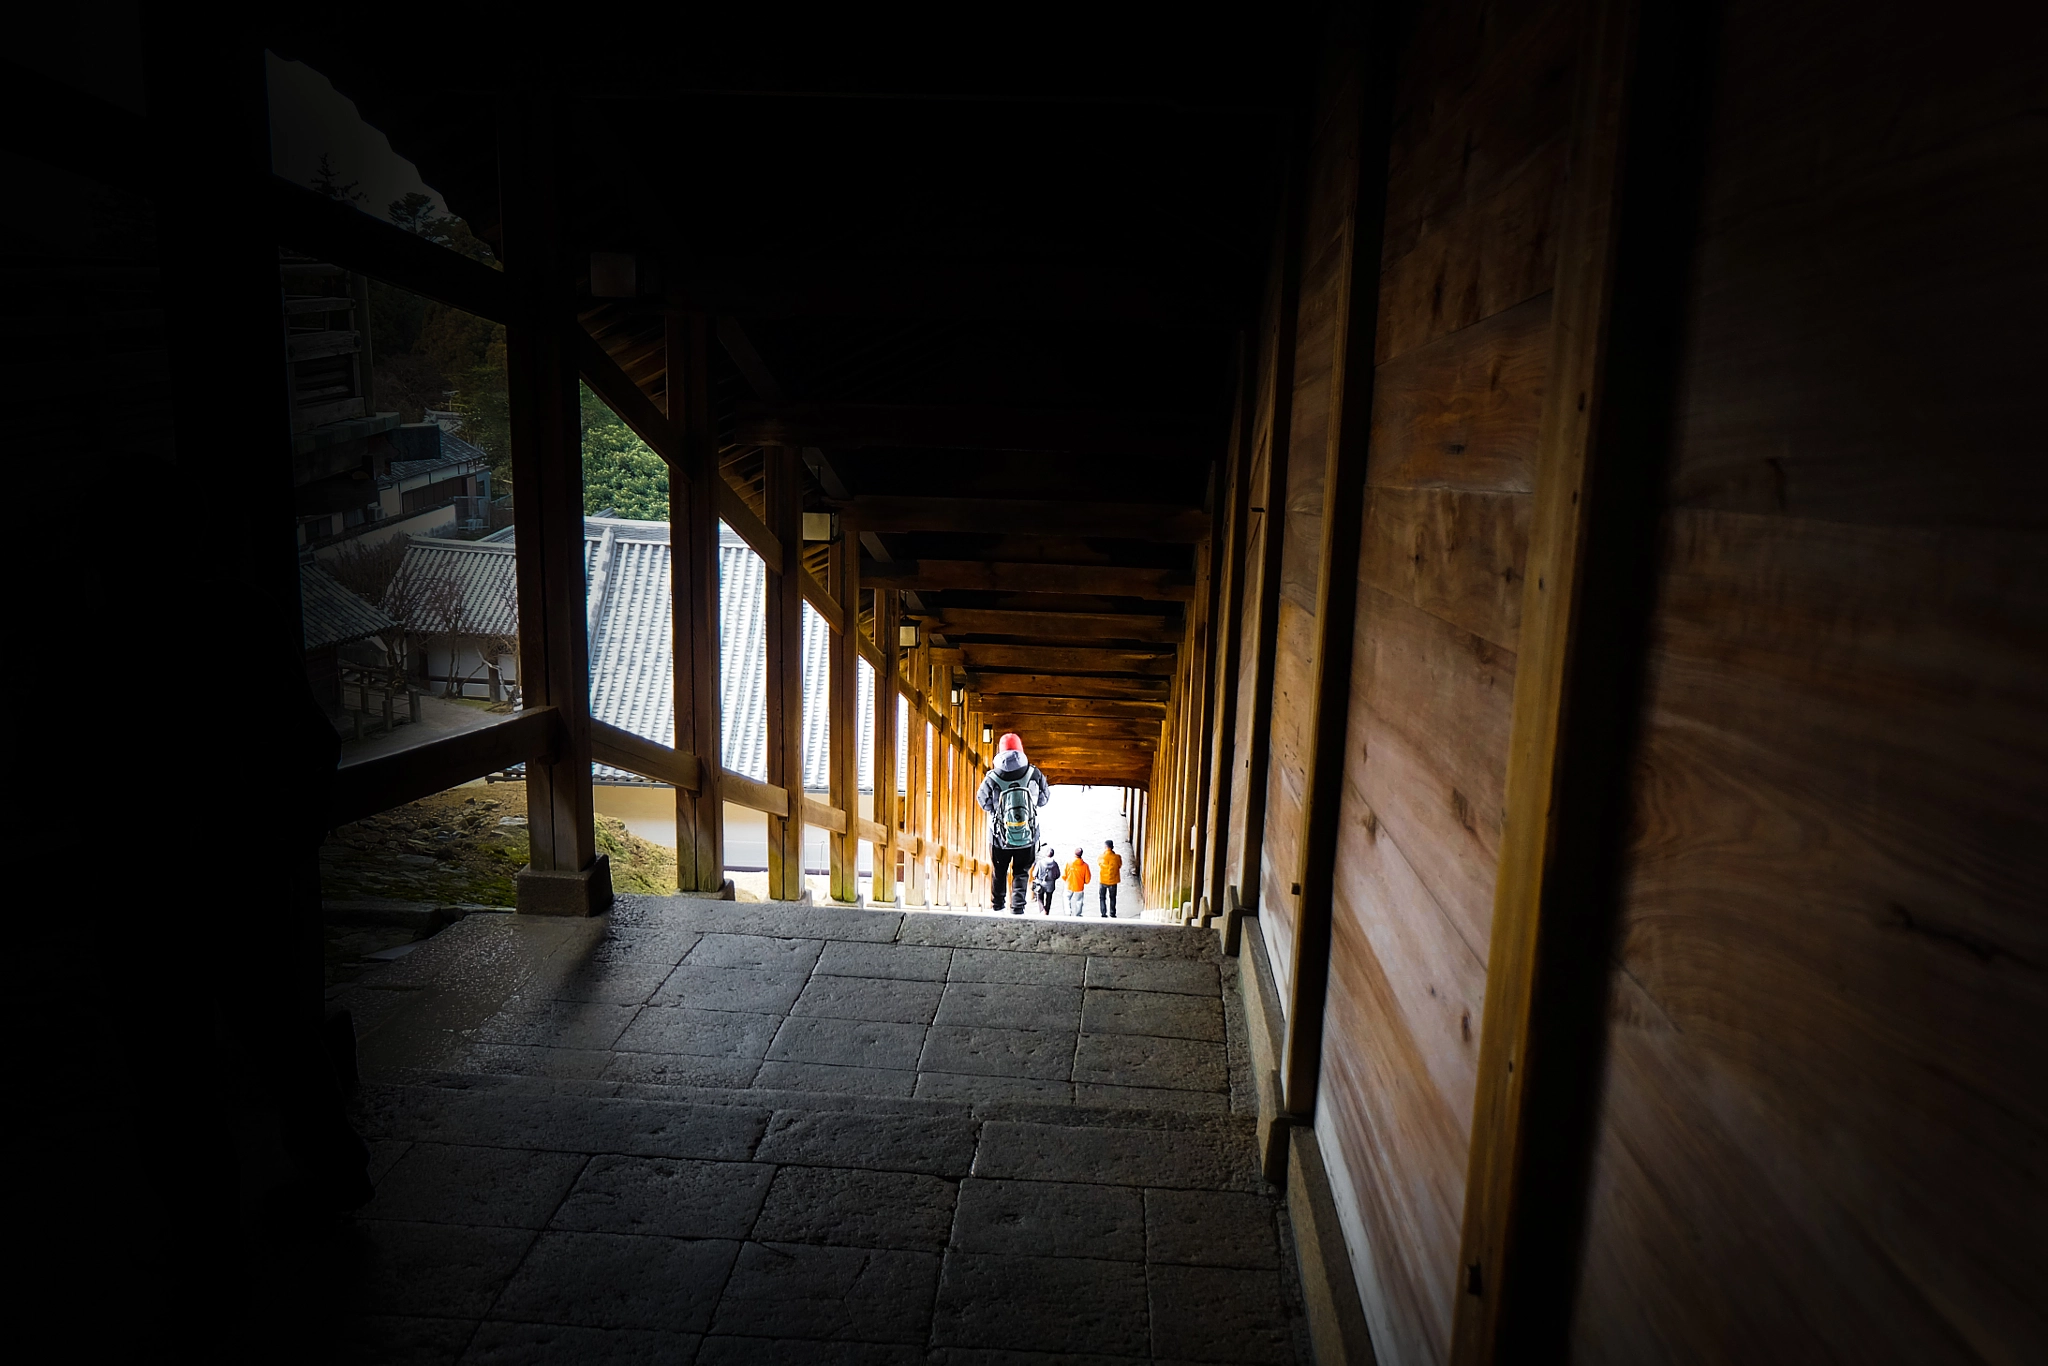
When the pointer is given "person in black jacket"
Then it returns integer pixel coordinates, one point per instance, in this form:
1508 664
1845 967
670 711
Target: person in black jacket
1047 878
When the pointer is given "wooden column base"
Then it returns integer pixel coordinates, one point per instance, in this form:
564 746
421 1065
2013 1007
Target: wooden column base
561 893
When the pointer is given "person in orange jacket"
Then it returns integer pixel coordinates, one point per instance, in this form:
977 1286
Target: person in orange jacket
1111 876
1077 884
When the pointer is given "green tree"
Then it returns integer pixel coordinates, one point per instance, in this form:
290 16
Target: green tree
620 471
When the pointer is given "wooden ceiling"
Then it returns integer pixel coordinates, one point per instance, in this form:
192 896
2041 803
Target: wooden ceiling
992 291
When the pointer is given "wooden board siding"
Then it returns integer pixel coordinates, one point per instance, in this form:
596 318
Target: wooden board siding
1324 301
1823 1133
1483 104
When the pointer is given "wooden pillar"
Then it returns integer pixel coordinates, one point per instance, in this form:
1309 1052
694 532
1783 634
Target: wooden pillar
915 801
845 727
1226 636
888 810
783 629
1344 455
566 875
693 577
1623 256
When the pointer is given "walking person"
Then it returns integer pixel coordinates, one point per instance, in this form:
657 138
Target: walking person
1047 878
1110 874
1011 794
1077 884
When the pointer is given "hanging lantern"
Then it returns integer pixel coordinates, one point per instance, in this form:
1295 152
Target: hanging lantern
906 635
988 735
959 694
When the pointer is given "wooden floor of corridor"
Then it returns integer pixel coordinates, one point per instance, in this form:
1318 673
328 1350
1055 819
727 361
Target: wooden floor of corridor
691 1131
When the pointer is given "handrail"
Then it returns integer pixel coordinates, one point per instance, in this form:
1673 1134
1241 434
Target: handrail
637 754
367 786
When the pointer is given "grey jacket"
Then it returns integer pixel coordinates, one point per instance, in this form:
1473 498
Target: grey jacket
1002 775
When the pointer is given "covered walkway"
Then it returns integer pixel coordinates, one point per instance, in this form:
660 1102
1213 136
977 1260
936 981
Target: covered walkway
689 1131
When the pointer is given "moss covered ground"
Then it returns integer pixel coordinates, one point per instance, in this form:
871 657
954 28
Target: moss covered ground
464 845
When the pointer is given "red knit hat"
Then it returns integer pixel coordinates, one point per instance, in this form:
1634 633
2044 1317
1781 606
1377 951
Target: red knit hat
1010 741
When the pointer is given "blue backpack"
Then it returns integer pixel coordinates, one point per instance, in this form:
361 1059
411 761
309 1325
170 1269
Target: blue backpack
1016 812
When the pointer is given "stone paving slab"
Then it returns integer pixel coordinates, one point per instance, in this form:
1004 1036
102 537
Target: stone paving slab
544 1344
533 1060
749 990
558 1123
672 1070
1141 1060
617 1280
1211 1228
827 1079
558 1024
906 1211
1033 1054
848 1043
1135 1098
1158 1013
802 1291
440 1183
1050 1218
936 1146
1215 1314
1004 965
782 919
973 1089
1191 977
757 951
722 1351
896 962
1107 939
1174 1159
433 1270
885 1000
1052 1304
700 1033
665 1197
1004 1005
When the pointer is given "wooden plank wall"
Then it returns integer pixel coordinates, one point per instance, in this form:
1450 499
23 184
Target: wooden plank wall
1325 265
1824 1133
1482 102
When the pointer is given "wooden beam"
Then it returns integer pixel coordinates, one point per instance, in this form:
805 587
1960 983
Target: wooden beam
821 601
353 240
637 754
367 786
733 511
888 804
872 832
1155 661
1600 452
1229 635
1076 706
923 576
784 287
1119 521
767 798
1076 432
824 815
1062 627
843 692
1066 685
631 403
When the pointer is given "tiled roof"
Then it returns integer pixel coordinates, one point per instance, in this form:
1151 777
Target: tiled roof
490 603
331 615
632 651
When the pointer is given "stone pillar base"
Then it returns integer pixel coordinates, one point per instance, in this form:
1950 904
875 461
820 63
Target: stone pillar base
563 893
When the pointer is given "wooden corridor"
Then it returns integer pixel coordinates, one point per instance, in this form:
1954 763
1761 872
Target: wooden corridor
1538 503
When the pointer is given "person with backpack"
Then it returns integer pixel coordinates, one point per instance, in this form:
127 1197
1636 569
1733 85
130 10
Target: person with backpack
1011 794
1077 884
1047 878
1109 876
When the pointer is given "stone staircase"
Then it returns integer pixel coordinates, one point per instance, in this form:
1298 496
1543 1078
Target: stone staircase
678 1133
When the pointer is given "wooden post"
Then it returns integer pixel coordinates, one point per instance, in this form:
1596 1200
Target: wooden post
845 738
1228 636
1602 441
1343 518
566 875
783 629
693 578
1270 507
915 801
888 810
